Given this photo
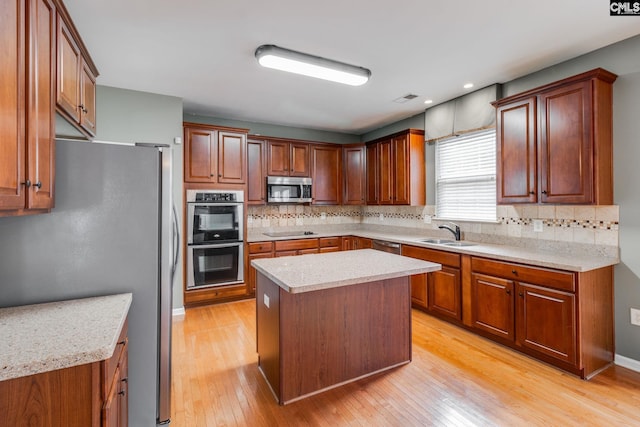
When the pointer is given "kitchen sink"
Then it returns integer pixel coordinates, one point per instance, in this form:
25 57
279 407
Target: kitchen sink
447 242
459 244
437 241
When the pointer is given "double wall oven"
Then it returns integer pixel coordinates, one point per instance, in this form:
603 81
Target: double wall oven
214 238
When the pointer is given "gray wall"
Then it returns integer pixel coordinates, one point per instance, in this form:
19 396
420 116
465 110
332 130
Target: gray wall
413 122
133 116
277 130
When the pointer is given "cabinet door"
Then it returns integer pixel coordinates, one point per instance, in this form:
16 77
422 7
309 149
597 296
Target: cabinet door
87 100
385 172
277 158
231 158
516 152
372 174
12 95
419 290
123 393
199 155
364 243
444 289
566 144
546 321
41 104
348 243
111 407
299 160
69 62
252 274
354 175
492 306
256 172
326 173
400 171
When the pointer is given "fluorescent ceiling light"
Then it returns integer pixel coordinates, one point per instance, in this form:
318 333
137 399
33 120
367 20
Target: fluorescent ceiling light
428 101
468 85
271 56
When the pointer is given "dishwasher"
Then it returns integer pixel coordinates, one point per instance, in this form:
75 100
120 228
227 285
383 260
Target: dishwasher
381 245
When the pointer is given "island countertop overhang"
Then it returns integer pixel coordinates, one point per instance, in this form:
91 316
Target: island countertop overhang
313 272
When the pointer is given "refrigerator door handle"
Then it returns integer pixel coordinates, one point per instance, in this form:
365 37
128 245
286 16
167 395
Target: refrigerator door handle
176 242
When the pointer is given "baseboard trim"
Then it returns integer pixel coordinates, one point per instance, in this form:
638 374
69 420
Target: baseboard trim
179 311
627 362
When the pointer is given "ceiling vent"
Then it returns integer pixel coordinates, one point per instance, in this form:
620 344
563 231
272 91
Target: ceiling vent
405 98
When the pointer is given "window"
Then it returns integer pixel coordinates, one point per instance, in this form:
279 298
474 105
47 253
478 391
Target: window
466 177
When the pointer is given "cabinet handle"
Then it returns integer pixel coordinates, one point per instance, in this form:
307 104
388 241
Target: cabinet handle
27 183
508 291
125 380
532 192
219 175
38 184
515 273
122 342
521 294
544 191
121 392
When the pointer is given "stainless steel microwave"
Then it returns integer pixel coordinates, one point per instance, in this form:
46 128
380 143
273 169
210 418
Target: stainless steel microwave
285 189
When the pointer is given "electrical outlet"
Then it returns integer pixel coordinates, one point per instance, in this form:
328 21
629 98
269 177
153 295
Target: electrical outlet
635 316
265 299
381 217
249 219
323 215
537 225
427 219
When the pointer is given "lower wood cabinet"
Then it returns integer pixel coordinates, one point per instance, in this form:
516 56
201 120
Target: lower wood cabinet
439 292
93 394
254 251
563 318
353 242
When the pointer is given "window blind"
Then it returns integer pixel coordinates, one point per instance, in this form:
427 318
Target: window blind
466 177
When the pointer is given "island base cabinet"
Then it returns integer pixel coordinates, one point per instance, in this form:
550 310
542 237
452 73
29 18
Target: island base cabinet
336 338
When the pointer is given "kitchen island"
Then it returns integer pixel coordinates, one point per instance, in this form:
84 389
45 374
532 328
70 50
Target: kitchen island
327 319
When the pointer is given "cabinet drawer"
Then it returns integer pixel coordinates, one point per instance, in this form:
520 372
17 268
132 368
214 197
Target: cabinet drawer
441 257
325 242
260 247
536 275
110 365
288 245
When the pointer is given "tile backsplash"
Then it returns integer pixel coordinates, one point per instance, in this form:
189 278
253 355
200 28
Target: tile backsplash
586 225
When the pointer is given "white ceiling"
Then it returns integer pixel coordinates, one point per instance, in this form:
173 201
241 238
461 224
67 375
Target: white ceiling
203 51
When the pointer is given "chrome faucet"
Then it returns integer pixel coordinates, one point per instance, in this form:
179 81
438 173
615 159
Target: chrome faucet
455 229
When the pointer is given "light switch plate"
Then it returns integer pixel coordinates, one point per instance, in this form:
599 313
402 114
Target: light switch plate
635 316
266 300
427 219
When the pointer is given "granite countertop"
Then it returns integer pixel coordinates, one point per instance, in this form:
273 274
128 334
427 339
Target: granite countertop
45 337
538 257
313 272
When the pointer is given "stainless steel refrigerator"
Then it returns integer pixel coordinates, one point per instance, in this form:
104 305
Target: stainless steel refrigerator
113 230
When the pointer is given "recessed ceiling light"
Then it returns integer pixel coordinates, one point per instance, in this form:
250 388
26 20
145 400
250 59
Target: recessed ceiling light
428 101
310 65
468 85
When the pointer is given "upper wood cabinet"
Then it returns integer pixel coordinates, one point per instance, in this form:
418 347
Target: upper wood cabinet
355 180
554 143
27 78
326 174
287 158
395 169
256 172
214 154
76 76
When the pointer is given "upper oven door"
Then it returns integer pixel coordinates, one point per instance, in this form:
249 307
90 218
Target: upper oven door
214 222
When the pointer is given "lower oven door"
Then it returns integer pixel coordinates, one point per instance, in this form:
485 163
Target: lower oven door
214 265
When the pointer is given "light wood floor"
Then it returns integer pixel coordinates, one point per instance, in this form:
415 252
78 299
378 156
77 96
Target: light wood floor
455 379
